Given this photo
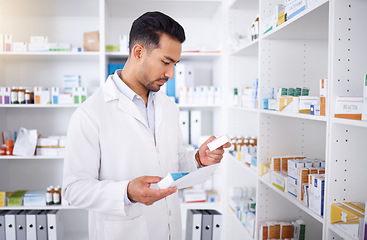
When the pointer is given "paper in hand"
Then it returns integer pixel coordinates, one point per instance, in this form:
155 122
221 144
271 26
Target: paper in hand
188 180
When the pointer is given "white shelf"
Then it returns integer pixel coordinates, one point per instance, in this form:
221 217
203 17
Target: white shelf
244 4
177 8
294 200
242 165
39 105
201 205
30 157
192 106
312 23
250 49
85 56
184 56
246 233
295 115
50 207
350 122
254 110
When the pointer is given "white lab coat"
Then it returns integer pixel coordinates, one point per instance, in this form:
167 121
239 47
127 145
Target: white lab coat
109 144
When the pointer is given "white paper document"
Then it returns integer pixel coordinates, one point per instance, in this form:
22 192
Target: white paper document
188 180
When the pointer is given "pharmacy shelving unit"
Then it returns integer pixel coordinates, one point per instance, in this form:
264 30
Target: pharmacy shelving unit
324 41
65 22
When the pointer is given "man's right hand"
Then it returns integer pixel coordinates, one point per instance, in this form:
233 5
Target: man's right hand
139 190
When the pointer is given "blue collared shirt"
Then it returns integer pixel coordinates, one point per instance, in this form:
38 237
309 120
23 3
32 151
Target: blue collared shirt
148 111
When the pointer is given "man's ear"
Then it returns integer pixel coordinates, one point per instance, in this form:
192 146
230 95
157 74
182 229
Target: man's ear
138 51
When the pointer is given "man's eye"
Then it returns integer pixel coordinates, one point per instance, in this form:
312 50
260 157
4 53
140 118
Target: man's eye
165 63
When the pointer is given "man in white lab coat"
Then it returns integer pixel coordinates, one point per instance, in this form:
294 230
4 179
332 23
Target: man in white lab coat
126 136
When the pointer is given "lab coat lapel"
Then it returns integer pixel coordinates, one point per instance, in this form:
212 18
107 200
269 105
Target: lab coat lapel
159 108
124 104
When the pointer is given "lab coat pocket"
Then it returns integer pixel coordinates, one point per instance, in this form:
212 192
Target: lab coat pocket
127 230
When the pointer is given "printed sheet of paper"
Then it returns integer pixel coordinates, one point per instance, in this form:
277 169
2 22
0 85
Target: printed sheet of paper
195 177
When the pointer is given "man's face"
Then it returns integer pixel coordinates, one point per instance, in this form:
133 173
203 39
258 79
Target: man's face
158 64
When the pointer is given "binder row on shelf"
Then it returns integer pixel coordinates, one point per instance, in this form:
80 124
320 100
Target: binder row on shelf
191 127
31 225
204 224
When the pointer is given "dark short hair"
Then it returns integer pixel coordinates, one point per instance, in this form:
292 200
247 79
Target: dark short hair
148 28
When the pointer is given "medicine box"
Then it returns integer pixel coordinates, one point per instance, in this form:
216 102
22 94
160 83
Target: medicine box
55 95
345 214
8 43
274 230
275 163
263 234
279 180
301 178
294 7
65 98
286 230
38 47
349 107
293 165
71 81
299 230
305 103
38 39
318 195
19 46
323 96
292 186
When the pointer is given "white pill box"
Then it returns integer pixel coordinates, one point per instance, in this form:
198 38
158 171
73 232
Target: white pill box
217 143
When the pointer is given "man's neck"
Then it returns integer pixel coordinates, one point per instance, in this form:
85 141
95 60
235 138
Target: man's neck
134 84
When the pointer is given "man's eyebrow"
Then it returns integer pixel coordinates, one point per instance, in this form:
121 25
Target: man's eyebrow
172 60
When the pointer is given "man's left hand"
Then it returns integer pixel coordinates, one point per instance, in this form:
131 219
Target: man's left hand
208 157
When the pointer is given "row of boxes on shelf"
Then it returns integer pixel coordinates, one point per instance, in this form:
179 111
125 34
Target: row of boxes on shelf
31 224
36 44
202 95
246 97
41 44
350 217
282 230
244 149
41 95
352 107
301 177
297 100
31 198
285 12
243 203
41 146
51 146
184 90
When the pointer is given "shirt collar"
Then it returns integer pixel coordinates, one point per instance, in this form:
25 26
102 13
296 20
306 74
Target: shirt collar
124 89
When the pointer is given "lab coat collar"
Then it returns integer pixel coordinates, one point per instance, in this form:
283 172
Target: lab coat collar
111 93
